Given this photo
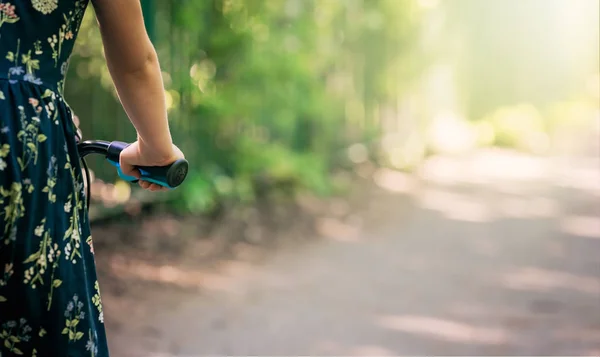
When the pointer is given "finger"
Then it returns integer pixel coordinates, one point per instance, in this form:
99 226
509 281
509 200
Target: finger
129 170
155 188
144 184
162 188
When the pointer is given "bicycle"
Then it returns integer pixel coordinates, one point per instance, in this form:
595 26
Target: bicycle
169 176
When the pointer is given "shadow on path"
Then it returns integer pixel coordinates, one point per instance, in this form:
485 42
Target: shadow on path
472 265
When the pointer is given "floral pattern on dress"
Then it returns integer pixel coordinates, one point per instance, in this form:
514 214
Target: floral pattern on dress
50 302
7 14
45 6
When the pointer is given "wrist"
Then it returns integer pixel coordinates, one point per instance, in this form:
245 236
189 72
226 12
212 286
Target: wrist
161 146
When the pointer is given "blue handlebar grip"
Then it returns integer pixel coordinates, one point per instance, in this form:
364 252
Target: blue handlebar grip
169 176
145 175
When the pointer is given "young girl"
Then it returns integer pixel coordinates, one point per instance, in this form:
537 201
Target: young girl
50 301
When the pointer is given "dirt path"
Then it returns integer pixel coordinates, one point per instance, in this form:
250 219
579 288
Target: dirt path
494 254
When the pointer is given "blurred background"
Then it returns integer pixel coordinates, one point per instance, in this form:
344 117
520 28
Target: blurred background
377 177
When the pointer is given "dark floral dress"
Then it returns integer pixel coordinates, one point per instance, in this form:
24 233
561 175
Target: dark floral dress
49 296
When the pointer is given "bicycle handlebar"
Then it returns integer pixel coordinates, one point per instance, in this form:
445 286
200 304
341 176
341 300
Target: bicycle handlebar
169 176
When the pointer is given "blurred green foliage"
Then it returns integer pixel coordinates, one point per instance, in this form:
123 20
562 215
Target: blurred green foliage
262 93
275 95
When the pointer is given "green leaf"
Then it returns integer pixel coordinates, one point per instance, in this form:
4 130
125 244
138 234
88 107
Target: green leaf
17 351
32 258
14 339
42 332
65 331
75 322
10 56
56 283
7 343
71 335
78 335
41 138
2 299
68 323
5 149
31 146
2 95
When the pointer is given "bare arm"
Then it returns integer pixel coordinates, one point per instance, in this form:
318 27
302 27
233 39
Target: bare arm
134 68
